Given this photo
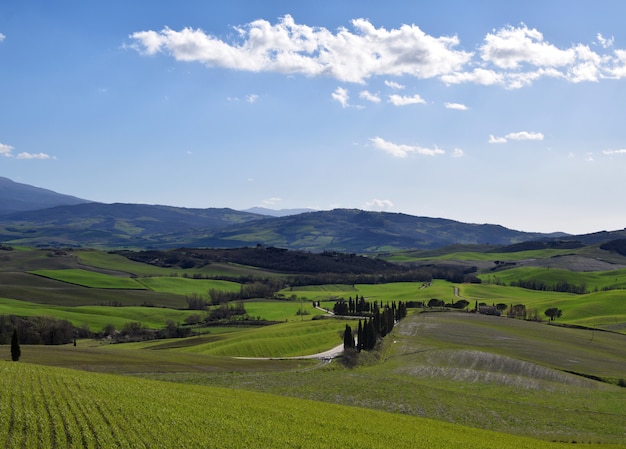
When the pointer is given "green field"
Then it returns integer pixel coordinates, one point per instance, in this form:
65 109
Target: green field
95 317
486 372
90 279
481 381
53 407
615 279
290 339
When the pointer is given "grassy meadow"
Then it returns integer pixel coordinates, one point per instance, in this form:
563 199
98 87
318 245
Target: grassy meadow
54 407
440 379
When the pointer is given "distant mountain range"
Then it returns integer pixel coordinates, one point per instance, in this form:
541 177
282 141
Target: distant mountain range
39 217
17 197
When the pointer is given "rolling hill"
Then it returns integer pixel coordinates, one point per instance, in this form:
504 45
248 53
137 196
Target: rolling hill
37 217
15 197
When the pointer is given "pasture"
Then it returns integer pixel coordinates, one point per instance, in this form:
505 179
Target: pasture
475 374
95 317
54 407
291 339
486 372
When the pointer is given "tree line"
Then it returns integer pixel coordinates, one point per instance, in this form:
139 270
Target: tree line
559 286
374 328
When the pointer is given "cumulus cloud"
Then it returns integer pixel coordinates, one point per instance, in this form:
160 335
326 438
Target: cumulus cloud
341 95
525 135
457 152
399 100
7 151
350 55
606 152
394 85
522 135
604 42
378 205
252 98
456 106
512 56
2 37
494 139
402 151
367 95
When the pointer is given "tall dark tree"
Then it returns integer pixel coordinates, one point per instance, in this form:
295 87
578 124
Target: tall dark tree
360 337
348 339
16 352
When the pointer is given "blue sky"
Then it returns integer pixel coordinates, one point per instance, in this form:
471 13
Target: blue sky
509 113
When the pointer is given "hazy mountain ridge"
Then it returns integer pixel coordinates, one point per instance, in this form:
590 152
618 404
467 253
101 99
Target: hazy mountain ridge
156 226
16 197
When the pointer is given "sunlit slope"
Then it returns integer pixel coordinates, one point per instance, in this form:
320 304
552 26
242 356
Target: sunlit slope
53 407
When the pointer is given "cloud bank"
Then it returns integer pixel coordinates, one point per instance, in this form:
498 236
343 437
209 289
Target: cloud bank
512 57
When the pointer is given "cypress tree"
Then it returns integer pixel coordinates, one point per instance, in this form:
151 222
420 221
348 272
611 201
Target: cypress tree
16 352
348 339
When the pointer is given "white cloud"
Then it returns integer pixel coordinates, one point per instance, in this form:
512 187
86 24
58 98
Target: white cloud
287 47
457 152
5 150
402 151
604 42
2 37
525 135
378 205
25 155
615 152
493 139
522 135
484 77
399 100
252 98
367 95
510 48
457 106
512 57
341 95
589 157
394 85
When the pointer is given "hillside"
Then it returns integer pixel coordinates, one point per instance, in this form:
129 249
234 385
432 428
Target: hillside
115 225
15 197
38 217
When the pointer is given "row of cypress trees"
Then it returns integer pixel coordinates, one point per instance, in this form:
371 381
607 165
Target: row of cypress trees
377 326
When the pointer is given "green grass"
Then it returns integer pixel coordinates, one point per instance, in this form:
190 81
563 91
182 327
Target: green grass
187 286
282 310
486 372
596 280
90 279
396 291
604 309
96 317
290 339
54 407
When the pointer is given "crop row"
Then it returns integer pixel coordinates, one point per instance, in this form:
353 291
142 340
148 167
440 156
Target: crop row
44 407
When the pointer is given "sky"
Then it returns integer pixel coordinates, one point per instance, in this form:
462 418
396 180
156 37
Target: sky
508 113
